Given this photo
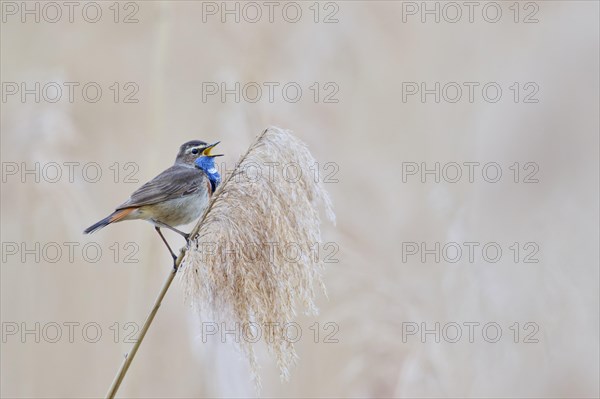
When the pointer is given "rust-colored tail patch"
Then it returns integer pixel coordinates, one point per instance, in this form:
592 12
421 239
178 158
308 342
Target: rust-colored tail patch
120 214
114 217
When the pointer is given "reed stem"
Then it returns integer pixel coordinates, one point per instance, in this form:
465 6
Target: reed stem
129 357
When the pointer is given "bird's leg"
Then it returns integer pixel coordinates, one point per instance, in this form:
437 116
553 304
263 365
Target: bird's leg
166 226
168 246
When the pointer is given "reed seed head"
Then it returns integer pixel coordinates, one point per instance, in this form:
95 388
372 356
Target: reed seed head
250 259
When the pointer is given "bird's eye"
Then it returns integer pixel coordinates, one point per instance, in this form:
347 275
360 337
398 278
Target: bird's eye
195 151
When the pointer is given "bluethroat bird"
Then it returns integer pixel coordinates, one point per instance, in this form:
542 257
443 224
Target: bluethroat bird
177 196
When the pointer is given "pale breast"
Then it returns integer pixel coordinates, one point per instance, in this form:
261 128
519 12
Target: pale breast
177 211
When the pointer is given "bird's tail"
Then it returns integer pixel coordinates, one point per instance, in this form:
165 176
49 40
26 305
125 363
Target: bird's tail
113 217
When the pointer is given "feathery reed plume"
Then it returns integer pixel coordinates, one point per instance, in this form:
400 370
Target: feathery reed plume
240 267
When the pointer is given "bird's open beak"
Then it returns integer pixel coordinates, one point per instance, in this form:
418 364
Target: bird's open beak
208 149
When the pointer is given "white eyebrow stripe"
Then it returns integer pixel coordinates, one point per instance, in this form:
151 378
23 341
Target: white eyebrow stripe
189 150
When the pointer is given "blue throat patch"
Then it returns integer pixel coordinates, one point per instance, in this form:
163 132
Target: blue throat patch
207 165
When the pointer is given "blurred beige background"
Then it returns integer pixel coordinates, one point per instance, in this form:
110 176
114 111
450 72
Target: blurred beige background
368 133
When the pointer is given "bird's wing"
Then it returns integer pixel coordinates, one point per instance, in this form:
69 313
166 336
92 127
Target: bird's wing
175 182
